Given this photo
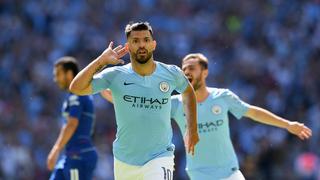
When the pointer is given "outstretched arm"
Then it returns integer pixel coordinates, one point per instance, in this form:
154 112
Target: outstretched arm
263 116
190 107
81 84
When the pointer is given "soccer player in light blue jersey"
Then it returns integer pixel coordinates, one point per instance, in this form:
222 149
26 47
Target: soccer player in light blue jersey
215 157
80 157
141 90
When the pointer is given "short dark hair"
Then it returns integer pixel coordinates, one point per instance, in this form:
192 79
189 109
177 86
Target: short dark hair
138 26
202 60
68 63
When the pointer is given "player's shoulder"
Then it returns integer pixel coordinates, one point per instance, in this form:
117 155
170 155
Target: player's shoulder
73 99
219 92
123 68
168 67
118 69
76 99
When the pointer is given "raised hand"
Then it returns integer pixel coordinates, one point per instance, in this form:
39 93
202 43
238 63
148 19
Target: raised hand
113 55
300 130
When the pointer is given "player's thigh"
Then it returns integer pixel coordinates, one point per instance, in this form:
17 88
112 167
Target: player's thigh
72 172
237 175
159 169
123 171
57 174
87 171
76 170
90 163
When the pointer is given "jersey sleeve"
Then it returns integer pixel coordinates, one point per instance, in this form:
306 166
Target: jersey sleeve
181 80
75 106
103 80
237 107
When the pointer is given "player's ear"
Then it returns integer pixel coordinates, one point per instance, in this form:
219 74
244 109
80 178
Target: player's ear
154 45
205 73
126 45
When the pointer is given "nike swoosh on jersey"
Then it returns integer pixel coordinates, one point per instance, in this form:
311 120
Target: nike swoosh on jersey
125 83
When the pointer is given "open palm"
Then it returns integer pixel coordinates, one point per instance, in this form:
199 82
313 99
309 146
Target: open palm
113 55
300 130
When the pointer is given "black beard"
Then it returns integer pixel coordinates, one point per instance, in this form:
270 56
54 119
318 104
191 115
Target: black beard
197 86
143 60
198 83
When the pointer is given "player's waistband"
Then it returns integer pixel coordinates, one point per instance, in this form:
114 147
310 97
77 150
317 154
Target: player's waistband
80 151
221 171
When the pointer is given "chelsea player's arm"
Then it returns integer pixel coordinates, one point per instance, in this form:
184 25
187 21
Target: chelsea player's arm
81 84
66 133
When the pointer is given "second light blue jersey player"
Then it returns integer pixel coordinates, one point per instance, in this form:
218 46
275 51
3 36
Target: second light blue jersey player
142 107
214 157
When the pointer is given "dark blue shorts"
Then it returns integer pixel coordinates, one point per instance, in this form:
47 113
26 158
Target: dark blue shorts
75 167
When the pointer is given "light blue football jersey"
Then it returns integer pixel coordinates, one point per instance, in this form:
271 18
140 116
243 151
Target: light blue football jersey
214 157
142 108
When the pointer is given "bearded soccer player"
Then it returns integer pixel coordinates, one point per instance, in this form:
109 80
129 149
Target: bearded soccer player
141 90
80 157
215 157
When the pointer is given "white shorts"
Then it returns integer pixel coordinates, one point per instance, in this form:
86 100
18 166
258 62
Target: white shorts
235 176
156 169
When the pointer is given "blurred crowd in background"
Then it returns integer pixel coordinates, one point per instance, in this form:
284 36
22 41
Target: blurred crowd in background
266 51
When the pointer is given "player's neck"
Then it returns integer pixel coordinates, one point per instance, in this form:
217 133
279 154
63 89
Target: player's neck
144 69
202 93
67 88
